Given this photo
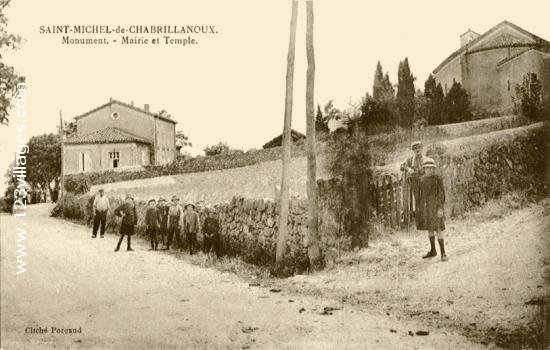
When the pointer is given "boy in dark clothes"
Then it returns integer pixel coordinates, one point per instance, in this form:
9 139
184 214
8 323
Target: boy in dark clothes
127 211
152 223
163 220
432 200
211 229
191 225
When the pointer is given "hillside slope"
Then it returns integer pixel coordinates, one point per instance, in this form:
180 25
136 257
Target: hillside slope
260 180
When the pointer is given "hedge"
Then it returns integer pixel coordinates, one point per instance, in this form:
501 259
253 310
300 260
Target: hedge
80 183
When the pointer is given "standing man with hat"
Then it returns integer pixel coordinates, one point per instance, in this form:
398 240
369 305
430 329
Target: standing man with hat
191 224
100 209
413 170
431 208
175 223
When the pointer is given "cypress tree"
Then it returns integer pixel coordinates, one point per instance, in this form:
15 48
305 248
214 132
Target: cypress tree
378 84
405 93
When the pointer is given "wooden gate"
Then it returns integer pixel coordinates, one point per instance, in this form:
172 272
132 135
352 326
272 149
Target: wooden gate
391 201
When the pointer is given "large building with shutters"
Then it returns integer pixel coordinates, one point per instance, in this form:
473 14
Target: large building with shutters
490 65
119 136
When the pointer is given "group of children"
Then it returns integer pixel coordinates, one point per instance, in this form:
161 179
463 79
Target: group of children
170 223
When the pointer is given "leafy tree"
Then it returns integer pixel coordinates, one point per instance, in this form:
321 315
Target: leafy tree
382 89
44 163
331 112
321 123
164 113
435 102
182 141
375 112
528 97
351 162
8 76
405 93
69 128
219 148
457 104
9 198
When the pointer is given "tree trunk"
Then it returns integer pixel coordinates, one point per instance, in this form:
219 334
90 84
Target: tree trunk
313 212
283 200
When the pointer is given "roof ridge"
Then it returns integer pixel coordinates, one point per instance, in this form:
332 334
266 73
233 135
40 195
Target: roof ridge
466 47
128 105
123 136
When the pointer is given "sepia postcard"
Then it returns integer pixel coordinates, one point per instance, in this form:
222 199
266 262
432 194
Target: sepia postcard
274 174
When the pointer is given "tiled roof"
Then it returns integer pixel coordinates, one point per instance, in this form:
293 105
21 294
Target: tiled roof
539 43
127 105
107 135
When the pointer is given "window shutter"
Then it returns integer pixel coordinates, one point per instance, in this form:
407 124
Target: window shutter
87 161
80 157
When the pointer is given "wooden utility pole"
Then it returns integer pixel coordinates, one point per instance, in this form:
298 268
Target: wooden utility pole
62 175
287 138
313 212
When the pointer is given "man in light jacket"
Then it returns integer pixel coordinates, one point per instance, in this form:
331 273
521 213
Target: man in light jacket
101 208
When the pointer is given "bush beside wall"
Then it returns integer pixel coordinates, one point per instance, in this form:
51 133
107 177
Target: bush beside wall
490 165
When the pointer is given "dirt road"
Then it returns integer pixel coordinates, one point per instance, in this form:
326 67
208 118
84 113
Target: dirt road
147 300
494 288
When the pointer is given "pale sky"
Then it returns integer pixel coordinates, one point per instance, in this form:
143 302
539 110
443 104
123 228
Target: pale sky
231 86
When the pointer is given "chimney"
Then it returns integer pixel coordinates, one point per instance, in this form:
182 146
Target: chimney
467 37
132 103
146 107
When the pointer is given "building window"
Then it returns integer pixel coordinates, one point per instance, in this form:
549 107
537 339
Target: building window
84 162
115 115
508 84
532 82
114 158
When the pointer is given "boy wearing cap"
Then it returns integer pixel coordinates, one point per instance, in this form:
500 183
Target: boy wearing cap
175 223
431 208
163 220
152 223
127 211
191 224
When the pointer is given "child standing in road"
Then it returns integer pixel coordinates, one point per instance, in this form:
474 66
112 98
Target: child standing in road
191 224
175 223
127 211
431 208
152 223
211 231
163 220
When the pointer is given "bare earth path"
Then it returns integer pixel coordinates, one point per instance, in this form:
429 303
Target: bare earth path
494 288
147 300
